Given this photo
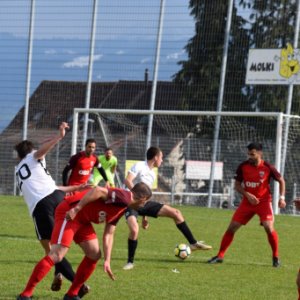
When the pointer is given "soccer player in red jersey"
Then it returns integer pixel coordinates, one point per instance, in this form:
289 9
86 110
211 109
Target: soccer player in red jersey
81 165
73 221
252 181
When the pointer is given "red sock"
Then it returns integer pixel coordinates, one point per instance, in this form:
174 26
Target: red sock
84 271
39 272
226 241
273 240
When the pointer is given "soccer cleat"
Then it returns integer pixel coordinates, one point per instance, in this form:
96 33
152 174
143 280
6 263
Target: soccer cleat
57 282
200 245
128 266
67 297
276 262
215 260
85 289
20 297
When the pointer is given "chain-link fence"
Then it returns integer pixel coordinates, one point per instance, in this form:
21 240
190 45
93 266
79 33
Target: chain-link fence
135 54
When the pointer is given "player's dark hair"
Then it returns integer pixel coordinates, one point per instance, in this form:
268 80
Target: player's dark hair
23 148
152 152
108 149
88 141
141 190
255 146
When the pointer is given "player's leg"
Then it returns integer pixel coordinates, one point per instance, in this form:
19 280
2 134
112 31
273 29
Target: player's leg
273 241
85 269
133 226
42 268
265 212
58 277
241 217
43 218
62 268
176 215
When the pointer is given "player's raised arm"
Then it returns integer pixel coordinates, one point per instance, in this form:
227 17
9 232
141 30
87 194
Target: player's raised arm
50 143
94 194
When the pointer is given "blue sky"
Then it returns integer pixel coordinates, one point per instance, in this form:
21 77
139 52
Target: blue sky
125 43
53 15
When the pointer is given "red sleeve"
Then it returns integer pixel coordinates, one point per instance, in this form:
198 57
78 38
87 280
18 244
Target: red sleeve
118 196
74 197
273 172
239 173
73 160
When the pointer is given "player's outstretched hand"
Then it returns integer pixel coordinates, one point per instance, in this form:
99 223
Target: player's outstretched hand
281 203
62 129
252 199
297 203
71 214
83 186
145 223
108 270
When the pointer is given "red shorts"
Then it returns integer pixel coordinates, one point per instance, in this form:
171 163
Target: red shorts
65 232
246 211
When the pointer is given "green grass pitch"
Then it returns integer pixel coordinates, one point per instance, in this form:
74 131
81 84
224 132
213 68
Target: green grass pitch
246 273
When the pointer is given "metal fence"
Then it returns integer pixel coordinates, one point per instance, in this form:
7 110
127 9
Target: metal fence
160 55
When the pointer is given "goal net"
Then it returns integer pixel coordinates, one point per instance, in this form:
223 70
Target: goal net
186 139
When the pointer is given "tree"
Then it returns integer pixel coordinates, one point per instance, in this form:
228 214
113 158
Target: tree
200 73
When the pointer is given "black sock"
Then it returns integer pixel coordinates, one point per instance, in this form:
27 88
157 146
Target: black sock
132 245
65 268
186 232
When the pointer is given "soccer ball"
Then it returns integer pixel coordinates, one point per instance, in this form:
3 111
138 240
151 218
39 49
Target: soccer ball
182 251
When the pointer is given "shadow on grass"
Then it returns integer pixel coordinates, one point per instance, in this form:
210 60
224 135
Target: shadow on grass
167 260
238 263
17 237
199 260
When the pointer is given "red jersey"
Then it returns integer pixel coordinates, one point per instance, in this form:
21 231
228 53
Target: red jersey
99 211
256 179
82 167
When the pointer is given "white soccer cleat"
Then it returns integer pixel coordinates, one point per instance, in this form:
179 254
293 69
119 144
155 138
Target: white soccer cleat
128 266
200 245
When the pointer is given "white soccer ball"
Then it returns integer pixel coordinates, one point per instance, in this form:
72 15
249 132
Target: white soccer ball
182 251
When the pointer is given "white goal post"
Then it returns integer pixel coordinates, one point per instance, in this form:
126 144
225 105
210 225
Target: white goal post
238 124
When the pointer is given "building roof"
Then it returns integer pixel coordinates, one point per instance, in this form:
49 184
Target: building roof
54 101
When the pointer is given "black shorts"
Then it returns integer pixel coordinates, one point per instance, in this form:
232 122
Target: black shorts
43 214
150 209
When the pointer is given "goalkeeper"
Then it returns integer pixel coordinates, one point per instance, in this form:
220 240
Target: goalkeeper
109 163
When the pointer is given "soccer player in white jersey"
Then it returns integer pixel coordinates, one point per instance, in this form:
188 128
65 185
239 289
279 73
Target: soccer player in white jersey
143 172
42 196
